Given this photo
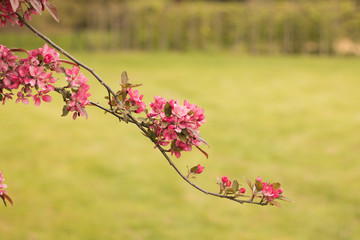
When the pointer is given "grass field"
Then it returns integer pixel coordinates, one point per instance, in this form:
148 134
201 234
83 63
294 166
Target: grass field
295 120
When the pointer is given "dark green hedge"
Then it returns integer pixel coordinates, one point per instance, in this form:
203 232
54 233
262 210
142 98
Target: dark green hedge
254 27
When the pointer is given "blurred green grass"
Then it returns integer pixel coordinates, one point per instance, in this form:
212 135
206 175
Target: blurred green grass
287 119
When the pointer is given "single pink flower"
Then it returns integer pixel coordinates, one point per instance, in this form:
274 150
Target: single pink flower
200 169
242 190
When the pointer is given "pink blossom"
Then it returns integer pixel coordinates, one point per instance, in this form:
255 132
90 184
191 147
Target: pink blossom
2 186
268 190
178 124
224 179
242 190
22 98
41 95
200 169
8 13
135 100
180 111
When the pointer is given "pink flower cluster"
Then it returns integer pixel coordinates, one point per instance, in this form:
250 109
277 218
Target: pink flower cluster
2 186
135 101
176 124
79 95
226 181
30 75
8 10
269 191
32 78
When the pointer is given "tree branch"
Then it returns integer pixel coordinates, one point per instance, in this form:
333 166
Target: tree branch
132 119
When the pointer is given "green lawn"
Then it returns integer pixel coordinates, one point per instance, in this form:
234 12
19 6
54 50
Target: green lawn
295 120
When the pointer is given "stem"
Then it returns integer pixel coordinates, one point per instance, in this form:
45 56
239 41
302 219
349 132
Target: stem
54 45
132 119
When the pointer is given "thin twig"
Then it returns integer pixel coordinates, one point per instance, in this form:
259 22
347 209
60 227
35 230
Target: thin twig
132 119
46 39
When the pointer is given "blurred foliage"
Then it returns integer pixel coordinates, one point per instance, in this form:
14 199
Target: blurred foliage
253 27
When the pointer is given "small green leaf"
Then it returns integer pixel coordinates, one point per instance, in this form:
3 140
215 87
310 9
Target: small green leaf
235 185
164 124
229 190
182 137
1 97
167 109
142 119
259 186
276 185
275 203
124 78
194 169
136 85
134 108
285 199
249 183
126 117
65 111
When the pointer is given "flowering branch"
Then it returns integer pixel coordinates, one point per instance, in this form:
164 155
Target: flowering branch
168 124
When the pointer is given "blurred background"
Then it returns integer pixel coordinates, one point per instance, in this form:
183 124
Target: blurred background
279 82
321 27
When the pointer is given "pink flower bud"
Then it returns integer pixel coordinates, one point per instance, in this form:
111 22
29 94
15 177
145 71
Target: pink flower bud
224 179
242 190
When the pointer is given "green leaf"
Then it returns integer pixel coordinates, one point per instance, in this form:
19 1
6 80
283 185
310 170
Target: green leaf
142 119
249 183
167 109
126 117
235 185
124 78
285 199
194 169
1 97
182 137
229 190
259 186
275 203
128 85
164 124
276 185
123 96
136 85
134 108
65 111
